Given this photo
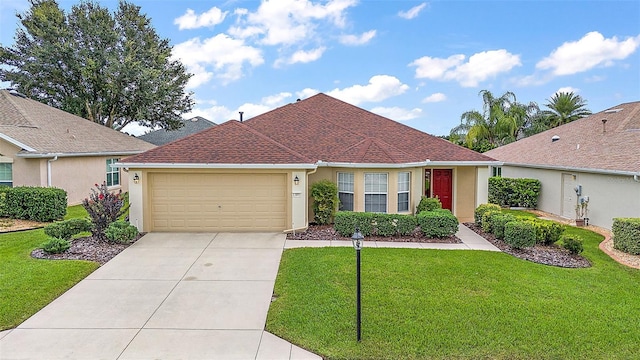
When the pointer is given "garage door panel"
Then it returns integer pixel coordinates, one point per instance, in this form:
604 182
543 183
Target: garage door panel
218 202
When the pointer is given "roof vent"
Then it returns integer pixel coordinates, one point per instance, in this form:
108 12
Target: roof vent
555 138
297 100
613 111
604 126
15 92
241 112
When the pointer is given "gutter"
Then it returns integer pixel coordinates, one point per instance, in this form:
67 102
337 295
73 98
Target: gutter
635 174
16 143
49 169
49 155
409 165
212 166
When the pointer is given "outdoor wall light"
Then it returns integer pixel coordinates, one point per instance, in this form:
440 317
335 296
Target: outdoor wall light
296 180
136 178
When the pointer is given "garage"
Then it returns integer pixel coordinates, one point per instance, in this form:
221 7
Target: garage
216 202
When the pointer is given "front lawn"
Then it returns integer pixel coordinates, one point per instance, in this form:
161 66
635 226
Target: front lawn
437 304
27 284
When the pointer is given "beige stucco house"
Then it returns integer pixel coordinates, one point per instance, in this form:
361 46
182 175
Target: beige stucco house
44 146
597 157
256 175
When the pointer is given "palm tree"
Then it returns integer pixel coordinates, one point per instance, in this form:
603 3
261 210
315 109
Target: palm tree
565 107
494 126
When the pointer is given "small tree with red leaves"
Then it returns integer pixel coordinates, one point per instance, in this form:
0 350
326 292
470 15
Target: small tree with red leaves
104 207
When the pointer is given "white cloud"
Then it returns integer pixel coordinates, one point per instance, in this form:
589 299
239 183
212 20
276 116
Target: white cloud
480 66
191 20
433 98
595 78
358 40
135 129
210 110
307 93
380 87
277 99
591 51
302 56
286 22
397 113
567 89
220 56
413 12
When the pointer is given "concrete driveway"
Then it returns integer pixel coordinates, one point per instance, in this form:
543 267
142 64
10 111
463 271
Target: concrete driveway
168 296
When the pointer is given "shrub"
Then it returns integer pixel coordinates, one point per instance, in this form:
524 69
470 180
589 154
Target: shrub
103 208
573 243
3 200
385 225
626 235
35 203
519 234
406 224
345 222
486 219
547 231
121 232
56 245
438 223
481 209
68 228
325 201
514 192
498 221
428 204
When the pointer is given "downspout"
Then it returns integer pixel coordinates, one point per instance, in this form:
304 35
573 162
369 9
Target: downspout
49 169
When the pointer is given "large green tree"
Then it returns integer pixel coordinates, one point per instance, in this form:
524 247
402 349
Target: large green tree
501 121
565 107
110 68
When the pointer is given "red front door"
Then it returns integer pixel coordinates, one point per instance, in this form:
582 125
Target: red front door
442 187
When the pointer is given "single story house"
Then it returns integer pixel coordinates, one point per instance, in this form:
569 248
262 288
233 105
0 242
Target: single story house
189 126
256 175
596 158
44 146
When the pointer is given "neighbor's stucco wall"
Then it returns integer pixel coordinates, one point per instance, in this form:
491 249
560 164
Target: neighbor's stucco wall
26 172
610 196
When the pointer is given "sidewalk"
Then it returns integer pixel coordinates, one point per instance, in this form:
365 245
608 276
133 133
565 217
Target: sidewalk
470 241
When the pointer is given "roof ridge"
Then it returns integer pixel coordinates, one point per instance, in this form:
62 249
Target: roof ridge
256 132
385 145
22 113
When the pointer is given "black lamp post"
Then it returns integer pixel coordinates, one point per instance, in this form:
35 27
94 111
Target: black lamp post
357 240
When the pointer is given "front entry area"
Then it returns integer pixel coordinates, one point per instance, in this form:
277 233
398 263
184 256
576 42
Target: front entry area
215 202
439 183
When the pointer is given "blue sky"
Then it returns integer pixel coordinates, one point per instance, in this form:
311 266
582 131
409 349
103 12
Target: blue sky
420 63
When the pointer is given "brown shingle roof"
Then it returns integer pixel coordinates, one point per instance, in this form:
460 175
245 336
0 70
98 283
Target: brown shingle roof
320 128
48 130
583 144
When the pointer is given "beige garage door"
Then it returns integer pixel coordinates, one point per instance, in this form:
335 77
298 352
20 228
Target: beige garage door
217 202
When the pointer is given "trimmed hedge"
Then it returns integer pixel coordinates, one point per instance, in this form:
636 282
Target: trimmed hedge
498 221
66 229
428 204
438 223
387 225
486 220
481 209
35 203
547 231
3 201
520 234
573 243
514 192
626 235
325 201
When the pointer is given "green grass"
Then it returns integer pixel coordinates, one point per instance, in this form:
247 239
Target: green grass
436 304
28 284
76 211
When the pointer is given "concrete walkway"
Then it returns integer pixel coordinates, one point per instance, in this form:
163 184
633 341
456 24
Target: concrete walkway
177 296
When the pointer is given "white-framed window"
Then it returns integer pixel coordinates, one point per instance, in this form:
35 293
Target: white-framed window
113 173
375 192
6 174
404 182
345 191
496 171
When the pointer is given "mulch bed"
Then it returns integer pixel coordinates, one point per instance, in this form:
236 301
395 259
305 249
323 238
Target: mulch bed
87 248
327 232
553 255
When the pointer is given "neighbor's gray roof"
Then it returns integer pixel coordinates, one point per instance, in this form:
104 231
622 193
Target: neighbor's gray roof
191 126
586 143
40 129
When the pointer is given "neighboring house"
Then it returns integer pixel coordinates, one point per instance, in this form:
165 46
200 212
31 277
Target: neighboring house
256 175
599 155
190 126
44 146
